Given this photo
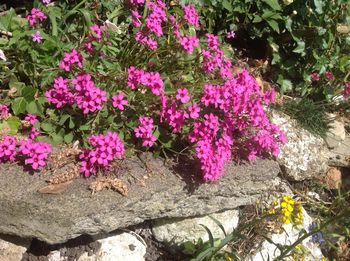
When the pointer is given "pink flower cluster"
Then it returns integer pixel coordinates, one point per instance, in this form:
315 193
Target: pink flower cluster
213 58
191 15
36 16
60 94
156 16
187 42
94 36
151 80
329 76
8 149
86 95
106 148
346 91
36 37
32 119
71 58
315 77
35 153
233 116
4 111
144 131
119 102
240 103
172 114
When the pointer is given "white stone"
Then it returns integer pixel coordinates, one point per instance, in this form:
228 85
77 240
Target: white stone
178 231
290 234
2 55
339 156
120 247
336 134
54 256
12 252
304 155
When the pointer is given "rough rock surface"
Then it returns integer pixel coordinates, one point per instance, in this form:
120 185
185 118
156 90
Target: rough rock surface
340 156
177 231
269 251
304 155
11 249
57 218
336 133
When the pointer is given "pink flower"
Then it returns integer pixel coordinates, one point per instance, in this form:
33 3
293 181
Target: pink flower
35 153
119 102
346 91
60 95
144 131
193 111
314 77
31 118
36 37
105 149
189 43
8 149
182 95
69 59
4 111
231 34
191 15
46 2
33 133
136 18
35 16
137 2
88 97
329 76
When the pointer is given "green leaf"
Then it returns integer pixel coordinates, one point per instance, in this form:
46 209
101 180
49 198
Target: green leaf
273 4
257 19
46 127
14 123
28 93
227 5
35 108
54 24
56 138
274 25
18 105
68 138
63 119
300 47
217 222
87 17
210 235
286 85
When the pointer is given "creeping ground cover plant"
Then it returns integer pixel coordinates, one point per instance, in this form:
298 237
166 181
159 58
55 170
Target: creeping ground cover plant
152 80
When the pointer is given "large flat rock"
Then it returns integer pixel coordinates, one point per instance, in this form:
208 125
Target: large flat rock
57 218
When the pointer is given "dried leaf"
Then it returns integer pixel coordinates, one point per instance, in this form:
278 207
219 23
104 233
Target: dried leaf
107 182
65 176
55 188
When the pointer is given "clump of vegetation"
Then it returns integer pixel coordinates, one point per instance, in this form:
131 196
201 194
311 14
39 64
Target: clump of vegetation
300 40
138 76
311 116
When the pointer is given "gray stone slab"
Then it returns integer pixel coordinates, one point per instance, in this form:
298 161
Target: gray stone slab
57 218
